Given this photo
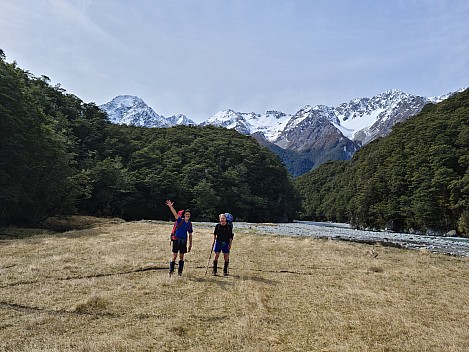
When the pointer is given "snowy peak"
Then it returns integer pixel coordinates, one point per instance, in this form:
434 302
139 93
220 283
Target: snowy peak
440 98
269 124
364 119
180 119
312 128
229 119
132 110
225 118
358 108
307 114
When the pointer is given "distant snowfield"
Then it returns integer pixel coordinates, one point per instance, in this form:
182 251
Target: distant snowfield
335 231
351 126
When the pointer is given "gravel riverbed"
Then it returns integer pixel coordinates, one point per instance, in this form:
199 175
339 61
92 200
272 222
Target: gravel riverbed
445 245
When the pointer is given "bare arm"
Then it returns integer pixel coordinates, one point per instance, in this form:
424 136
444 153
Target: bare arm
170 206
214 236
231 236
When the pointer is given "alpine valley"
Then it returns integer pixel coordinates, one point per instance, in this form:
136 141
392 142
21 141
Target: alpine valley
304 140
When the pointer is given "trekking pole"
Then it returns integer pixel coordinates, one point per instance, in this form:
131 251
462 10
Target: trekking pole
211 251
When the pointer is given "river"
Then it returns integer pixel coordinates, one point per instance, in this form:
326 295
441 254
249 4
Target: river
456 246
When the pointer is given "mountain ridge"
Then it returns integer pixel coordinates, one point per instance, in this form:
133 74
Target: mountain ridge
311 133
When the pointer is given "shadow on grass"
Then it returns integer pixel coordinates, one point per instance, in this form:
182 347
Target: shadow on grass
66 226
256 279
20 233
93 276
228 280
34 310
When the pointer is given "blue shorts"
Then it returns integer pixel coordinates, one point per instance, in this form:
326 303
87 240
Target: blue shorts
222 247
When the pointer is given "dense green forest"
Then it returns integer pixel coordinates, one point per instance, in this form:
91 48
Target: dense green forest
415 179
59 155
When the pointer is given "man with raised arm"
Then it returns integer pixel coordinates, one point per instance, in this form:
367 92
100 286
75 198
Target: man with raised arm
182 234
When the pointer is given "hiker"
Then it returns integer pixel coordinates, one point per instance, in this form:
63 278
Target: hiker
222 240
179 240
172 237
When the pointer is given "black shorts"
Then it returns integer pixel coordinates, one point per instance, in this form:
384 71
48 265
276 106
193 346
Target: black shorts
180 246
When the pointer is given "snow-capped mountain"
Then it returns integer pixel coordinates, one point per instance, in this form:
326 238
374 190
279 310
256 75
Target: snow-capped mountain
317 134
180 120
311 127
365 119
269 124
132 110
313 135
360 120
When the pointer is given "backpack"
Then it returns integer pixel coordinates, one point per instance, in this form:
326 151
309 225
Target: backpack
229 220
229 217
172 236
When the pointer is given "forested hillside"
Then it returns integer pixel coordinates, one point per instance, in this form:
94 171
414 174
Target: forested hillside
59 155
416 179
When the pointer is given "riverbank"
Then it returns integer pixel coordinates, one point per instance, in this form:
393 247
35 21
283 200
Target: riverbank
456 246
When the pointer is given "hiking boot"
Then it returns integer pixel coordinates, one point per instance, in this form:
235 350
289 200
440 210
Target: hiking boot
180 267
171 268
225 269
215 268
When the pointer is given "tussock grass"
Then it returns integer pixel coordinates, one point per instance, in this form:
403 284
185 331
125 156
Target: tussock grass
93 304
106 288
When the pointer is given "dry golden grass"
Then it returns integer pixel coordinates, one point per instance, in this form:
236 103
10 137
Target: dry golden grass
106 288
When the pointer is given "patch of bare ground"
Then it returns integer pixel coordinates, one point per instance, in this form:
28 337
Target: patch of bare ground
106 288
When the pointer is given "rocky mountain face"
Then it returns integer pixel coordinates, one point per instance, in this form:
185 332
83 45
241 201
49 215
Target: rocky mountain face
304 140
314 138
310 128
363 120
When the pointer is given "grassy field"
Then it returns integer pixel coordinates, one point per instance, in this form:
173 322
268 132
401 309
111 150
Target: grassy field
106 288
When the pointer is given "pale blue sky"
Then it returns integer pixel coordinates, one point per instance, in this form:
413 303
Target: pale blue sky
202 56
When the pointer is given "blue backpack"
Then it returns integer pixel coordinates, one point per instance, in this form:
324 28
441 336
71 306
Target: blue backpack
229 217
229 220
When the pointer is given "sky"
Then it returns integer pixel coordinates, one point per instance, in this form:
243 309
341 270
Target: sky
199 57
